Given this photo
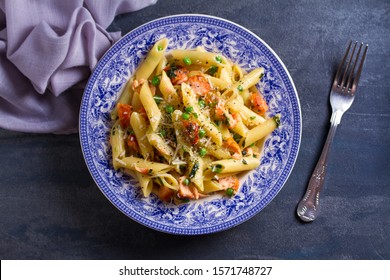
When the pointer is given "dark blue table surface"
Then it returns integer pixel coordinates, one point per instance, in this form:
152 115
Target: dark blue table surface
50 208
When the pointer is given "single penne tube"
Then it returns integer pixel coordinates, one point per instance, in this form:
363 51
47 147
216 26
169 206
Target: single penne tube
217 83
211 186
161 66
155 55
160 145
259 132
136 101
117 142
225 132
240 128
234 165
189 100
139 126
199 58
167 180
237 73
145 182
245 95
168 91
225 76
249 79
207 159
151 108
248 117
217 151
127 93
143 166
209 175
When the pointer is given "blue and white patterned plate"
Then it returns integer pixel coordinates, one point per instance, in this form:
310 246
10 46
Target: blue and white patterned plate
215 213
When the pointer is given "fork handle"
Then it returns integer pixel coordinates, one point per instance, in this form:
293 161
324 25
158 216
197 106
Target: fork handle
309 205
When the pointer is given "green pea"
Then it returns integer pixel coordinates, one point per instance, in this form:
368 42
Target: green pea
218 59
240 88
185 116
187 61
169 109
186 181
189 109
202 152
201 104
155 81
229 192
202 133
159 48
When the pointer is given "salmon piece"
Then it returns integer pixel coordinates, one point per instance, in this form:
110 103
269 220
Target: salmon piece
132 143
219 110
233 120
178 74
165 193
137 83
199 84
185 191
191 132
124 113
258 104
233 147
229 182
144 170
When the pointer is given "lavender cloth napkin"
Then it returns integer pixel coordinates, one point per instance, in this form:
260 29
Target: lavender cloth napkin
46 49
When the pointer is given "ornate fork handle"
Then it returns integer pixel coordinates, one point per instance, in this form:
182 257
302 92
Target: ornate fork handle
309 206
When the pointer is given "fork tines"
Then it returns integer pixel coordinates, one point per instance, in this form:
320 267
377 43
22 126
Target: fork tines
346 77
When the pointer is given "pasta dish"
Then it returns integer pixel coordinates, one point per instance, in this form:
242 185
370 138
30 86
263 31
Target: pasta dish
188 123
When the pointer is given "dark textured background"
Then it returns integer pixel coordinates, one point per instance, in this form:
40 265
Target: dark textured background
50 207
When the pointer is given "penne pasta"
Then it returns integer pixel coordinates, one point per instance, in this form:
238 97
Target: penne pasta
199 58
117 143
234 165
259 132
212 186
189 100
167 90
160 145
151 61
140 127
145 182
143 166
249 80
151 108
167 180
248 117
185 124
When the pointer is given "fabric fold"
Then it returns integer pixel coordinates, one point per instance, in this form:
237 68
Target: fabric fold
46 48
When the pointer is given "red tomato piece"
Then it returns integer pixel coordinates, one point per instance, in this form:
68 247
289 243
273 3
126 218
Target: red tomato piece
124 113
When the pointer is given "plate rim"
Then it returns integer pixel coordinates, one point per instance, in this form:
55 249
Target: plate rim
210 229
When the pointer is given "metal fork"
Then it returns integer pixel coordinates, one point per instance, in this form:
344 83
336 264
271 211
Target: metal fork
342 95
